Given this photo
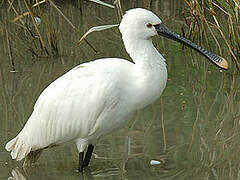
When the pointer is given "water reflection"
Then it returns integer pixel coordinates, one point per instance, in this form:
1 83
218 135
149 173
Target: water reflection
16 175
20 174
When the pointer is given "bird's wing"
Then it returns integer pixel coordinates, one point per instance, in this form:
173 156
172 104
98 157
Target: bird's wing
70 106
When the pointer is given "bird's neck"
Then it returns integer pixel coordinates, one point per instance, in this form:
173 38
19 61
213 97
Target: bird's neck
143 52
149 74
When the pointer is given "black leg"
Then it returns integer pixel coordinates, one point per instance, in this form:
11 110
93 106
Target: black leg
80 165
88 155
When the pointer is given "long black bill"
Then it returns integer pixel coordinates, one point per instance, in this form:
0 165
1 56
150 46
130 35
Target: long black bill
165 32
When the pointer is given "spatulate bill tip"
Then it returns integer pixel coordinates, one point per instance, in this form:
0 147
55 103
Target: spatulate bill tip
223 64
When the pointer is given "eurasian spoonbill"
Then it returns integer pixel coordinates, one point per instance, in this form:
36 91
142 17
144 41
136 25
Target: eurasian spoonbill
95 98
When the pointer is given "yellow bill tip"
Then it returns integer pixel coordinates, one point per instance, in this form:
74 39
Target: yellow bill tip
223 64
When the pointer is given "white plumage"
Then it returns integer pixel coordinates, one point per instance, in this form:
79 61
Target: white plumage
97 97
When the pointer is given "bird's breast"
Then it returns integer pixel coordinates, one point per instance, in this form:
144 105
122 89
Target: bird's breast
147 87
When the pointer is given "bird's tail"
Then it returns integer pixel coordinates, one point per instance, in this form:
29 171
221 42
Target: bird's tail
19 149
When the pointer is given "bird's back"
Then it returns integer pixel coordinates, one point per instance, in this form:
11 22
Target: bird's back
74 106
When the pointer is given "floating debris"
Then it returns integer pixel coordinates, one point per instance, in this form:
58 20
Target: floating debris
37 20
155 162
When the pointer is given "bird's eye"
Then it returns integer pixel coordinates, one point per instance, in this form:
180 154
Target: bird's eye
149 25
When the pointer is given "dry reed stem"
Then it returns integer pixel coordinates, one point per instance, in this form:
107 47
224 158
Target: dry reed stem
24 25
10 51
52 40
231 10
22 22
214 37
36 27
10 4
118 6
15 11
225 39
74 27
60 12
25 13
39 3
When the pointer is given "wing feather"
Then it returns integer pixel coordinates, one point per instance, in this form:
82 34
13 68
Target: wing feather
70 107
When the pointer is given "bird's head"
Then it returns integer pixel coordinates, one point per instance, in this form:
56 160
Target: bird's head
139 23
142 24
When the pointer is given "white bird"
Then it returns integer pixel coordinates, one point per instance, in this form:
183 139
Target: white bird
98 97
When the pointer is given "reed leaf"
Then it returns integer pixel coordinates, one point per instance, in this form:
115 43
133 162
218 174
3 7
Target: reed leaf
97 28
103 3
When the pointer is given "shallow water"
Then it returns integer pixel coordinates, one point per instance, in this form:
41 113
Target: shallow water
192 129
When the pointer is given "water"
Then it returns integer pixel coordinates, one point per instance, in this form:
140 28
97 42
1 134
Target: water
192 130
